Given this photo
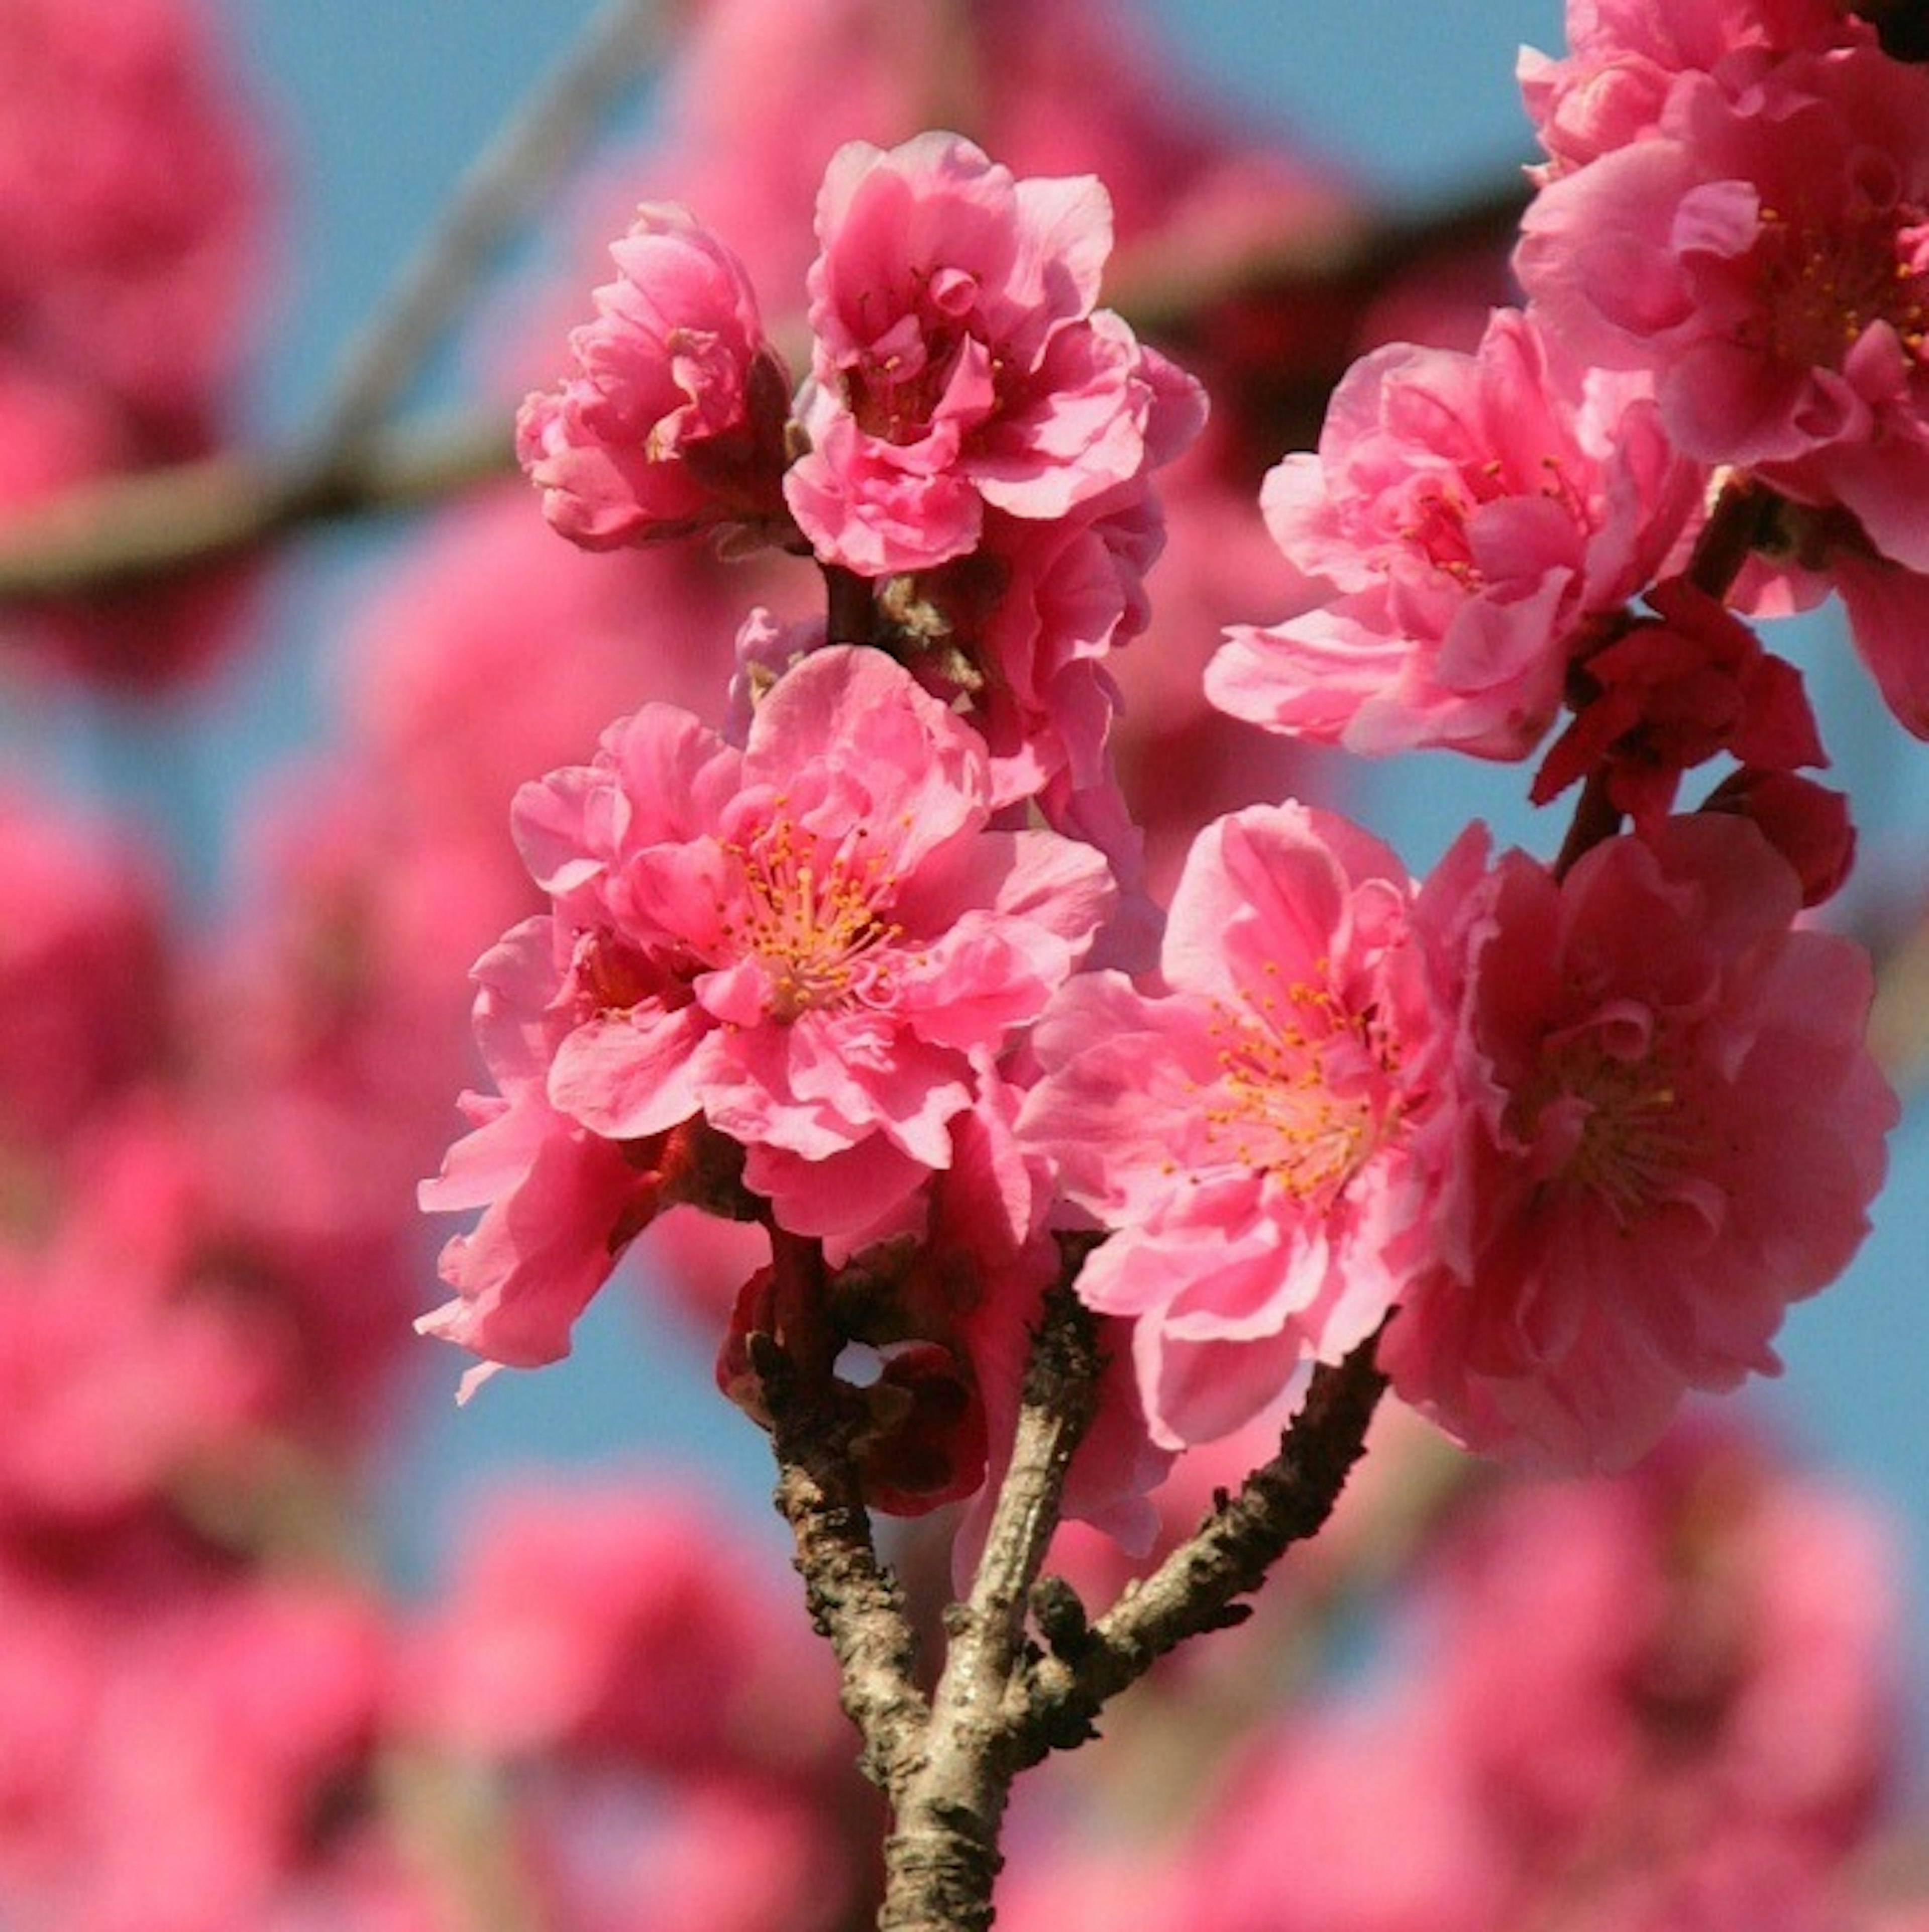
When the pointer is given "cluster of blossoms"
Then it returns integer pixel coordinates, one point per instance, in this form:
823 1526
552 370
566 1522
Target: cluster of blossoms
874 966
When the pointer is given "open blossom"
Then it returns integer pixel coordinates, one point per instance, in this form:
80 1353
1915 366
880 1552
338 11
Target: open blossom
1765 254
1658 1124
1464 518
1244 1135
959 362
674 421
813 942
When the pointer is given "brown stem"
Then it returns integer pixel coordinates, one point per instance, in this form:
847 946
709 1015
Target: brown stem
1195 1589
1743 513
941 1858
1596 818
853 1600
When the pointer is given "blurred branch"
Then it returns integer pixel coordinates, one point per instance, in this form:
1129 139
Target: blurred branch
1197 1587
511 177
109 535
1161 291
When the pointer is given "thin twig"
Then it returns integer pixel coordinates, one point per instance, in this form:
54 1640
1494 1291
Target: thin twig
1197 1587
511 177
942 1856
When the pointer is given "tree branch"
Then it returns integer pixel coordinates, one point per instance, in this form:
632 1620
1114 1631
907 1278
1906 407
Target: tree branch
513 175
853 1600
941 1858
1195 1589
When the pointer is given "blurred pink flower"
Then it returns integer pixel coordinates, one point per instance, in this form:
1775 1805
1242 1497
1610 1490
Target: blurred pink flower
1659 1124
628 1624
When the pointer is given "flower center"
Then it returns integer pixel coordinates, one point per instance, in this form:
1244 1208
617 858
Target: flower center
1305 1091
814 917
1824 283
1435 529
1635 1135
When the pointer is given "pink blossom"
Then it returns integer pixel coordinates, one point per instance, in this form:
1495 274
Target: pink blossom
1765 254
959 362
1659 1124
813 943
674 421
1243 1136
561 1204
1465 518
1624 57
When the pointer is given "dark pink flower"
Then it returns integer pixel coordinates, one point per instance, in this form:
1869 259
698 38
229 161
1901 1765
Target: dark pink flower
674 420
1465 518
959 362
1658 1125
1669 692
1807 823
1243 1136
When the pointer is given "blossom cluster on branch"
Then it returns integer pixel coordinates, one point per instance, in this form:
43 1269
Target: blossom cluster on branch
1541 1117
1059 1121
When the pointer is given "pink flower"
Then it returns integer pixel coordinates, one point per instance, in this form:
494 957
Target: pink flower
561 1204
814 942
1464 519
959 364
1659 1123
674 421
1624 57
1243 1136
1765 254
